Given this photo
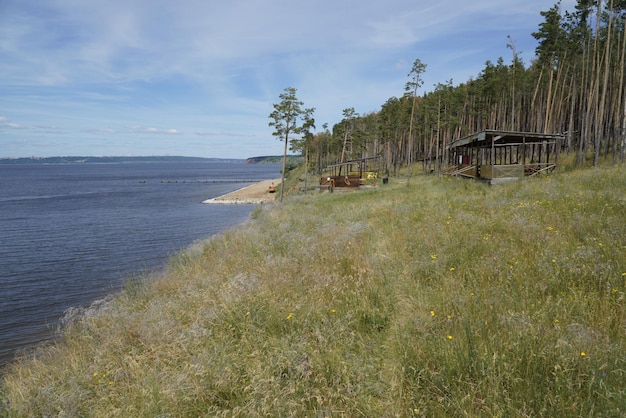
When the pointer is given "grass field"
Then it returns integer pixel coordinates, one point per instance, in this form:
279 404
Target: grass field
444 297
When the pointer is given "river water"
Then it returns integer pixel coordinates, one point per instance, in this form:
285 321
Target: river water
71 234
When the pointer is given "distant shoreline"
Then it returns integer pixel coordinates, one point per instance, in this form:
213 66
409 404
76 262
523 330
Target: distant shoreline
139 159
105 160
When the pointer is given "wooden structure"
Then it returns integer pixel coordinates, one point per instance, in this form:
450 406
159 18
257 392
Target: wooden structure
352 173
497 156
339 181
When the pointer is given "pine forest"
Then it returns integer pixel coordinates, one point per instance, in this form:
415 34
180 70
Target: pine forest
575 86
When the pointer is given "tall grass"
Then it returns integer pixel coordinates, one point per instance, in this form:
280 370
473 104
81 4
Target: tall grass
443 297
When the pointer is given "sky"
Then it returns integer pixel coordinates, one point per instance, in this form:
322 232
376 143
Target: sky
200 77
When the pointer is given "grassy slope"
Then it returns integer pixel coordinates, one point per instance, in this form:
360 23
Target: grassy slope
442 298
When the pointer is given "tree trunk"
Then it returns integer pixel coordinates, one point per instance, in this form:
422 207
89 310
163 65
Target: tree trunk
596 90
621 100
282 177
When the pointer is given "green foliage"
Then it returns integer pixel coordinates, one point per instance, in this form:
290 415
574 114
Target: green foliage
445 297
288 118
551 36
292 160
415 76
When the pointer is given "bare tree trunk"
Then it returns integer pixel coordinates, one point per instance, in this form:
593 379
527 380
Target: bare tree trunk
570 126
582 105
438 133
599 105
591 93
410 140
556 110
343 148
622 102
282 177
623 144
546 120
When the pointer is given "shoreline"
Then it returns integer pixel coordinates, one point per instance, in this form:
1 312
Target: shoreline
253 194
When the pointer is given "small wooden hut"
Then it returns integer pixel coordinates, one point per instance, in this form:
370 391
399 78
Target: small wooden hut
497 156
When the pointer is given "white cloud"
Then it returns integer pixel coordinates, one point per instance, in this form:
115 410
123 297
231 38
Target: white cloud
154 131
105 131
7 123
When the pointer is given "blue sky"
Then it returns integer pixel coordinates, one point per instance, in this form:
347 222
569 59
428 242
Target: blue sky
199 77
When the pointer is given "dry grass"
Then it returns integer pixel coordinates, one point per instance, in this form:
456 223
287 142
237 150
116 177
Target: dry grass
441 298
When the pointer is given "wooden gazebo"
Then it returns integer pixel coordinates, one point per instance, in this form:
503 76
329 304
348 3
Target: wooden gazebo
497 156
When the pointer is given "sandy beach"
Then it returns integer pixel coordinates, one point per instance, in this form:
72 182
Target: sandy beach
253 194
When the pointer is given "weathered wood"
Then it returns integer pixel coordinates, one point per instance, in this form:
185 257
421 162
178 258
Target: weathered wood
496 154
340 181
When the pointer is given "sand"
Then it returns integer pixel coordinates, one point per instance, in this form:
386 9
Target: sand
254 194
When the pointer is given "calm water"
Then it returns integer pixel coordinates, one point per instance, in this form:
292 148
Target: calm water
71 234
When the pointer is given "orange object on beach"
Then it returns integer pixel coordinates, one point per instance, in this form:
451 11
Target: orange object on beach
272 189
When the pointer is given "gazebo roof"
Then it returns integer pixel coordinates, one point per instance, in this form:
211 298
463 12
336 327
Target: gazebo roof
351 162
490 137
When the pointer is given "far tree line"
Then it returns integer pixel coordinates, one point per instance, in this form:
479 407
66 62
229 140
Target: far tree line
575 85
